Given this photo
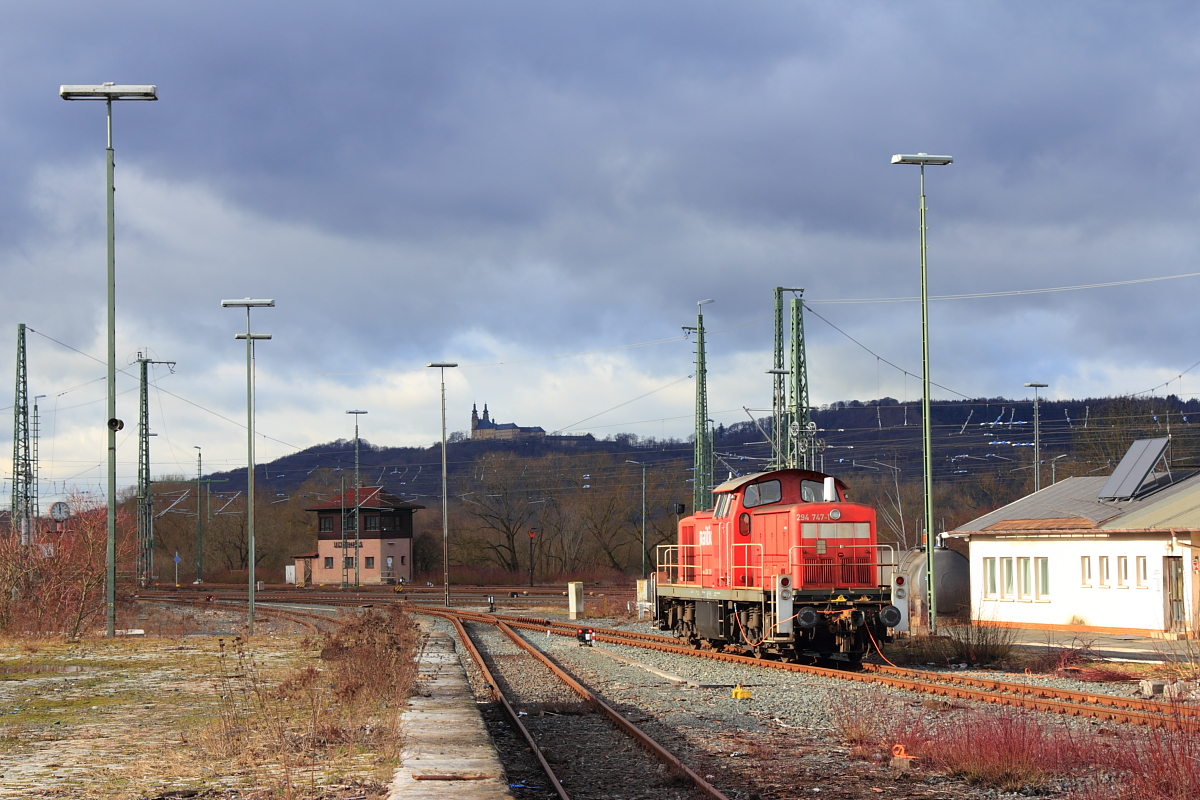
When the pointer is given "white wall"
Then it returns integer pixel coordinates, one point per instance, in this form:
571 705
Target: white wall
1108 604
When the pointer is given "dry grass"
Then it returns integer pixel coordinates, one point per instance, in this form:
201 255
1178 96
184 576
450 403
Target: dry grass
284 727
1156 764
979 642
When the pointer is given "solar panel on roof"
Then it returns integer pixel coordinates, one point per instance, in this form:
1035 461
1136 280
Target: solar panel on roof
1135 466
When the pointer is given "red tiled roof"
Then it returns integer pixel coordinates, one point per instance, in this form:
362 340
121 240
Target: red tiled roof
369 497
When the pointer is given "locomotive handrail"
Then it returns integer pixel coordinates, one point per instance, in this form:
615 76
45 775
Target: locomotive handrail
747 568
676 571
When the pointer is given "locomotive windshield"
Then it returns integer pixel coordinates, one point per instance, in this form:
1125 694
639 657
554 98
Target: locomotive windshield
811 491
761 494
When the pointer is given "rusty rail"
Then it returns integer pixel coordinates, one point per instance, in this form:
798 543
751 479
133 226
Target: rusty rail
1017 695
508 709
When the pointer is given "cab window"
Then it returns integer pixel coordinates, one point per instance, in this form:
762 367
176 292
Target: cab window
724 501
761 494
812 491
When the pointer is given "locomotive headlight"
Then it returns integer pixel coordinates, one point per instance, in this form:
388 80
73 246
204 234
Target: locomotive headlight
785 594
900 593
890 616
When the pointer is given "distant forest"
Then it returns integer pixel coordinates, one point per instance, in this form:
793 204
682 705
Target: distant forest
584 498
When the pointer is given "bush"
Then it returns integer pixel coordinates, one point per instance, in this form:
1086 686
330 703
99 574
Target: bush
1006 749
977 642
1156 764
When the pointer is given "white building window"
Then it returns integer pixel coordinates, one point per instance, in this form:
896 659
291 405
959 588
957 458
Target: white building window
1024 578
1007 580
1102 581
1085 571
1142 574
1122 572
990 585
1041 576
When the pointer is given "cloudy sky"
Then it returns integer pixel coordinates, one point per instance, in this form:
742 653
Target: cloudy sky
541 191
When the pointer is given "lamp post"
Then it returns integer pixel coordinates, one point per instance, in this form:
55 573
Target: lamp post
199 517
1053 468
108 92
532 536
357 501
1037 438
923 160
643 466
443 366
250 338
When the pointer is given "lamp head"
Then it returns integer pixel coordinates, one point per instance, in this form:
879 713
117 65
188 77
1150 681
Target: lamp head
247 303
253 336
442 364
356 412
107 91
924 159
1037 385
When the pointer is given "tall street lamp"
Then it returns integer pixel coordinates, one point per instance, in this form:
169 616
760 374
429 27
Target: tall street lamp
108 92
250 338
923 160
357 501
443 366
643 466
1037 437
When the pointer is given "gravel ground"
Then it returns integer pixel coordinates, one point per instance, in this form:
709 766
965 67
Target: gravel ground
783 742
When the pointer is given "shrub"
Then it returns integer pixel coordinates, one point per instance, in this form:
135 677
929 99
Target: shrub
1006 749
979 642
1156 764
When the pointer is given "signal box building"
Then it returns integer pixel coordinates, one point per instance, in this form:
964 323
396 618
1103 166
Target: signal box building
1112 554
384 540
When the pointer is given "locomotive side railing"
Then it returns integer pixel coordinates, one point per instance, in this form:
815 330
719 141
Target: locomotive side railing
743 574
680 562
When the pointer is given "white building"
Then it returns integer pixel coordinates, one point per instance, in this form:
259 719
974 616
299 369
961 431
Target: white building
1108 554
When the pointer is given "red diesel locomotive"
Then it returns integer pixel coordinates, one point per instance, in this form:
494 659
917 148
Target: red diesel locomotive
784 566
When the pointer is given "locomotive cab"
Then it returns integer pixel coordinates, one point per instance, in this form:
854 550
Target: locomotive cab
784 565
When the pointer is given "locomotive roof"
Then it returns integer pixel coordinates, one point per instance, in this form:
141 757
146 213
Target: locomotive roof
733 484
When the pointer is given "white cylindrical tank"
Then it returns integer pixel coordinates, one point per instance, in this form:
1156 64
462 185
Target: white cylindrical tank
952 573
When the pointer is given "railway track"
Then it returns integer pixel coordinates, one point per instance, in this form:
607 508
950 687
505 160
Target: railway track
565 717
1009 693
1015 694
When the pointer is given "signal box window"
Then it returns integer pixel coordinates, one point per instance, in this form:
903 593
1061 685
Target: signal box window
372 523
328 562
1085 571
326 524
348 562
370 562
1123 572
1103 576
1142 581
761 494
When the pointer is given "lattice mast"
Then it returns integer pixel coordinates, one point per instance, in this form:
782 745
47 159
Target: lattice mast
779 390
801 452
24 485
702 488
145 497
